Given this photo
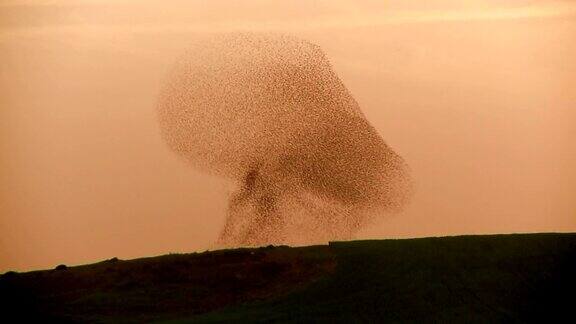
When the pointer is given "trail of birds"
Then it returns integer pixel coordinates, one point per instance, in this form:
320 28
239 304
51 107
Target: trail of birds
269 112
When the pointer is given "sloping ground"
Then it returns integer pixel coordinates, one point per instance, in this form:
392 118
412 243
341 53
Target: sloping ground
492 278
176 285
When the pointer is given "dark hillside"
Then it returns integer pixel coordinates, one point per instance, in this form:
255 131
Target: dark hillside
491 278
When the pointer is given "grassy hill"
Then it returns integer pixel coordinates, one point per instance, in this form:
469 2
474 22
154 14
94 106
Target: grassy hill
488 278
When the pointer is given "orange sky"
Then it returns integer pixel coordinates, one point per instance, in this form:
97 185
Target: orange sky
477 96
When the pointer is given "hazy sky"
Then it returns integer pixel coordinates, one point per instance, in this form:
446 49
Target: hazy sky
477 96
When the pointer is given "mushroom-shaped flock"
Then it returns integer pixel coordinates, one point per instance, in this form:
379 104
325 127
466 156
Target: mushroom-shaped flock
268 112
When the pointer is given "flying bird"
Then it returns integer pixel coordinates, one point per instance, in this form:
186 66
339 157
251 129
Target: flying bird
269 112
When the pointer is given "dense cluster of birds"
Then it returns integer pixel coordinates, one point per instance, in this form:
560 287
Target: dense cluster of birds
269 112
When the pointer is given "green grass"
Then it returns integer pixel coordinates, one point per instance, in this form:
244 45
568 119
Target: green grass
490 278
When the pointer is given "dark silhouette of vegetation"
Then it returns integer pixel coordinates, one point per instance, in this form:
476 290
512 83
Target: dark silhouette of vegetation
490 279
